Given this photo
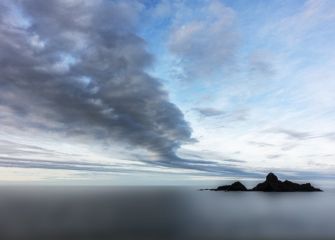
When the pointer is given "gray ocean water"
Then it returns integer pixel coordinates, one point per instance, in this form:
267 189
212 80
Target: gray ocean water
97 213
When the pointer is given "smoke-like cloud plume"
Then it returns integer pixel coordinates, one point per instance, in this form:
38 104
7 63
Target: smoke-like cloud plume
78 67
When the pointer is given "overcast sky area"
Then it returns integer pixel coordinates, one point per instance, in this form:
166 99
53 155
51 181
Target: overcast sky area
166 92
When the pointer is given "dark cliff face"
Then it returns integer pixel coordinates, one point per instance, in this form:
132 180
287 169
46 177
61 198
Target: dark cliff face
271 184
271 178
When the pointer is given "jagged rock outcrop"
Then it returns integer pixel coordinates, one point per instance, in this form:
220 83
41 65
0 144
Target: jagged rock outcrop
236 186
271 184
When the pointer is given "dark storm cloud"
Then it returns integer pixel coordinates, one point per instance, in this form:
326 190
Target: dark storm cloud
76 67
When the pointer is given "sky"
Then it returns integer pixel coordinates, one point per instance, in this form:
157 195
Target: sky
166 92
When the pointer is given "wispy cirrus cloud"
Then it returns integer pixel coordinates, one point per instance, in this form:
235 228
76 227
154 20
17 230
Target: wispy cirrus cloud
204 39
209 112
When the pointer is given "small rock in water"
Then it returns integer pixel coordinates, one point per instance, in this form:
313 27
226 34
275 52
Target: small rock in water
236 186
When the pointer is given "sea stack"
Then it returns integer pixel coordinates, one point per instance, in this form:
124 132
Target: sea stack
271 184
236 186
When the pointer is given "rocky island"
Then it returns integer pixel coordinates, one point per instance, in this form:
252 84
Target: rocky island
271 184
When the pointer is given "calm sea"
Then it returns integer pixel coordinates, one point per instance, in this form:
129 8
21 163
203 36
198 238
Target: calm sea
97 213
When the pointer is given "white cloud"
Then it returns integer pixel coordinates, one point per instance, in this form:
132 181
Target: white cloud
204 40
